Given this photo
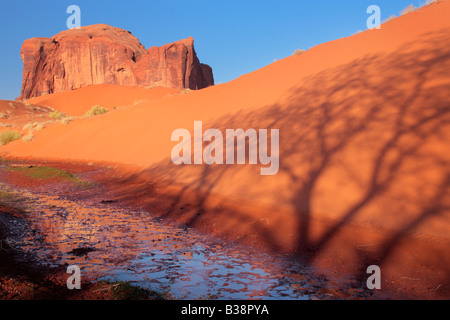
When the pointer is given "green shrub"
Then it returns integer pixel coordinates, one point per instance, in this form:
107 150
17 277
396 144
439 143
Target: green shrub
44 173
56 115
8 136
127 291
96 110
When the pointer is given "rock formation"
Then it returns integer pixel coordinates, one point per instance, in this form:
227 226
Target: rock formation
101 54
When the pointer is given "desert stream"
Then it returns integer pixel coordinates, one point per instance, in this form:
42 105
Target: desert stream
110 243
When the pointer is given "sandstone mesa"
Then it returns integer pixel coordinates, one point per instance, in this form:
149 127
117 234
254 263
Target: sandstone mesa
101 54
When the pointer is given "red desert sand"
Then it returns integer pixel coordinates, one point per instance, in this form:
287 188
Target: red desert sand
364 172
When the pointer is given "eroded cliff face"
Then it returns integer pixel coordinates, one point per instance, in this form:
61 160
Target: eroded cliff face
101 54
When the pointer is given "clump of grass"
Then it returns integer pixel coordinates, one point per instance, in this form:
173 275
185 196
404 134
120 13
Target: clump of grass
5 195
12 201
152 86
66 120
298 52
8 136
96 110
56 115
3 116
29 126
392 17
126 291
39 126
28 138
185 91
136 102
12 105
408 9
43 173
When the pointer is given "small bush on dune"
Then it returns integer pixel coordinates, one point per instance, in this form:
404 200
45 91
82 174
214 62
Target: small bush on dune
56 115
8 136
66 120
39 126
29 126
408 9
137 102
152 86
28 138
392 17
96 110
298 52
185 91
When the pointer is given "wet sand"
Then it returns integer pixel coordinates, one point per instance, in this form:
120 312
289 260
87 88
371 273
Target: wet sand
66 223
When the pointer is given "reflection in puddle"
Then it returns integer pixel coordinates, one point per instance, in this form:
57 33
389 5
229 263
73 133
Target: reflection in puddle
131 246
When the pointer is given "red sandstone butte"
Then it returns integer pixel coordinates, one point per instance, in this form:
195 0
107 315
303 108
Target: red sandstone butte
101 54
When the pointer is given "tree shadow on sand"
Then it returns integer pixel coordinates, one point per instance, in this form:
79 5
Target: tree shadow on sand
365 141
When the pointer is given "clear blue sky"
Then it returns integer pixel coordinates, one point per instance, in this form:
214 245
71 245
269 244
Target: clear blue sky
233 37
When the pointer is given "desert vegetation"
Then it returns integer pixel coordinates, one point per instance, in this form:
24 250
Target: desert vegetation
28 138
11 201
8 136
95 111
298 52
56 115
67 120
409 9
38 172
185 91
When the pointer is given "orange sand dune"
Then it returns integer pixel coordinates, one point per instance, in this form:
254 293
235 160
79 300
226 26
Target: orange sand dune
77 102
364 137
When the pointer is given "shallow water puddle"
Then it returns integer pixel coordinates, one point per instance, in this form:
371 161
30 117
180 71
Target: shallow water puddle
110 243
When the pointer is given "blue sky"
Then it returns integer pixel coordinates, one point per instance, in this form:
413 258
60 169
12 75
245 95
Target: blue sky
233 37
